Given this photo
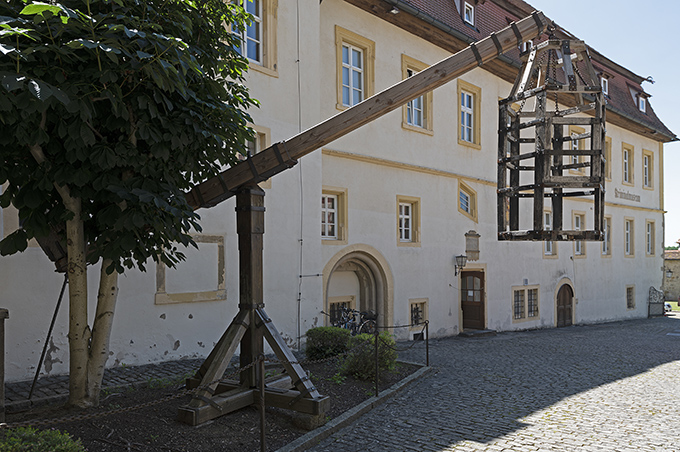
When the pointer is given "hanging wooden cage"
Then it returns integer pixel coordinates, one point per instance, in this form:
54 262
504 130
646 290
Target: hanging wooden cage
563 156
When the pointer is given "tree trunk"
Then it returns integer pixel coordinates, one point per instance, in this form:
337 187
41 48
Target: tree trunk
79 330
101 331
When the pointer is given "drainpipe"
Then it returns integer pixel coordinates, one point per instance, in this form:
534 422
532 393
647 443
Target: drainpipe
4 314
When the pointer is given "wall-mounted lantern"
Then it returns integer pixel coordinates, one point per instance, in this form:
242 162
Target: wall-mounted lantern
460 263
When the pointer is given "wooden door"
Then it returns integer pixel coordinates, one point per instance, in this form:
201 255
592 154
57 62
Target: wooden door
472 300
565 299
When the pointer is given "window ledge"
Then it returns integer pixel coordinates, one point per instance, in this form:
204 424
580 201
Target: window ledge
263 69
333 241
409 244
189 297
468 144
412 128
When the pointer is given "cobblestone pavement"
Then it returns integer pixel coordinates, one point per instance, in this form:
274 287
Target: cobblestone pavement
610 387
52 389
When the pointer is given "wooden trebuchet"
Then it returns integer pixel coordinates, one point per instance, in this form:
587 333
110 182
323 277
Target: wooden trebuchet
533 161
283 155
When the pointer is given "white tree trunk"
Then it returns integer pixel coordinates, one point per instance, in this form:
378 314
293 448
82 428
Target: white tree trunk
101 331
79 330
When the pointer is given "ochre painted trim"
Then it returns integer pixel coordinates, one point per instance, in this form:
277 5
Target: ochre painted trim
405 166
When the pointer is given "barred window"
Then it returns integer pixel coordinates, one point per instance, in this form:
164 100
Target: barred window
519 304
630 297
525 302
532 302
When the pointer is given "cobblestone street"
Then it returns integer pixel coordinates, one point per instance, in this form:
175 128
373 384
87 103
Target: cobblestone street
610 387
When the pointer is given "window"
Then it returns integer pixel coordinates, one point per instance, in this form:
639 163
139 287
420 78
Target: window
355 60
467 201
608 158
408 221
417 114
258 40
524 303
649 238
576 145
607 242
334 215
628 237
336 304
469 13
642 104
627 164
418 311
261 142
605 85
579 225
329 217
549 247
469 98
405 222
647 169
467 117
630 297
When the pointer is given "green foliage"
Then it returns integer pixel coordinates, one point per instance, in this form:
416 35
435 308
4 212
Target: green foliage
32 440
671 247
360 362
326 341
338 378
131 103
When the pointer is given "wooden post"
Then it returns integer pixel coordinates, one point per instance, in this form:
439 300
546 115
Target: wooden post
4 314
250 229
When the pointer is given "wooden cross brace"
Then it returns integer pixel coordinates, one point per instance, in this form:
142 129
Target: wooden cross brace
250 328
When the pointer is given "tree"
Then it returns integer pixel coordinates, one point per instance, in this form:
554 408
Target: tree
110 110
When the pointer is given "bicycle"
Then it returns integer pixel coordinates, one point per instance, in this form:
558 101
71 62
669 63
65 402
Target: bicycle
358 322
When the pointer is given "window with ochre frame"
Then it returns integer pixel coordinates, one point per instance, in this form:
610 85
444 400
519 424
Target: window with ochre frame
355 60
417 113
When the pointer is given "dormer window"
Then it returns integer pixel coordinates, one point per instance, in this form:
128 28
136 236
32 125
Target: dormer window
469 14
642 104
604 81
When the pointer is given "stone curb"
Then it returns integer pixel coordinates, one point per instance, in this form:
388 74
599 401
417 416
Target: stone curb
349 416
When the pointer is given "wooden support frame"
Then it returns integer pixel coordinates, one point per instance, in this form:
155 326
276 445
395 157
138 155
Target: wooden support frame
249 329
551 72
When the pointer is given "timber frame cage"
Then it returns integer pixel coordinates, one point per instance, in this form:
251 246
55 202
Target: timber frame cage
563 158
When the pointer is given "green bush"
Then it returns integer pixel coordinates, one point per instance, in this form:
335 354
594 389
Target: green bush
360 362
32 440
326 341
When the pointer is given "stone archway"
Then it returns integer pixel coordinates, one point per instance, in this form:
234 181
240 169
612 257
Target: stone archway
374 283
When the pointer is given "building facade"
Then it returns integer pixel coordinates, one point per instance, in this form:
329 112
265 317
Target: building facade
375 219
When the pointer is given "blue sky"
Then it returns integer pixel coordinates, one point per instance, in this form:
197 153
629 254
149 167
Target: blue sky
639 38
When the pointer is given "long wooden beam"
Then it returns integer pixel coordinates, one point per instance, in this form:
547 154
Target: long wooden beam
281 156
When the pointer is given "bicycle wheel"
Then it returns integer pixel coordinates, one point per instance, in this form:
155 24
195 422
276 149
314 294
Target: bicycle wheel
368 327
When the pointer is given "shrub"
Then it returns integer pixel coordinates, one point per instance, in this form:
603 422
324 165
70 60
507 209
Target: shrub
360 362
326 341
32 440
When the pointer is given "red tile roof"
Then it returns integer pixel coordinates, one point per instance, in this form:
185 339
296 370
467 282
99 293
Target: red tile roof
493 15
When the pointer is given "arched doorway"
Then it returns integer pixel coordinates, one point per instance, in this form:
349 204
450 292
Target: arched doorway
360 276
565 306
